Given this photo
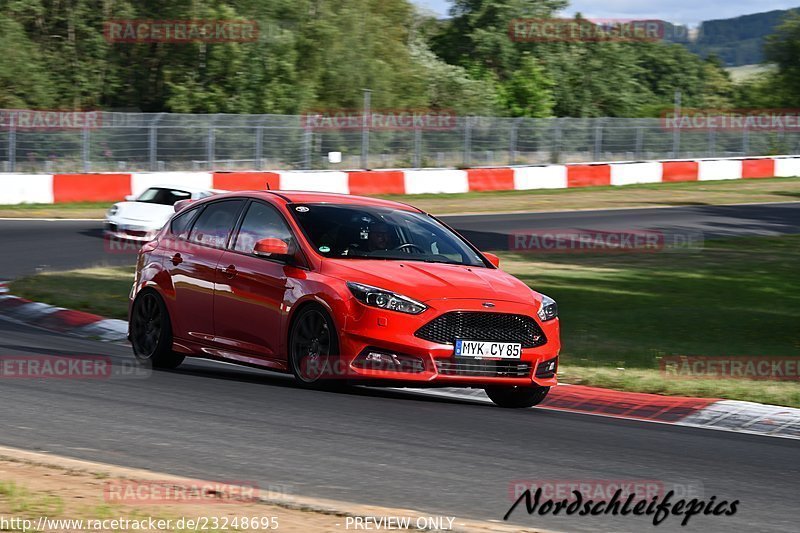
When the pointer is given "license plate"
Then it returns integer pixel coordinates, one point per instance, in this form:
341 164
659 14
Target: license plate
488 350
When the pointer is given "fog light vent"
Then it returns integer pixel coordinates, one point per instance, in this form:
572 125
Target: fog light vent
547 369
373 359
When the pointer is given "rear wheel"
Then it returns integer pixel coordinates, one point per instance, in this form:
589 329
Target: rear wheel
313 347
151 332
517 397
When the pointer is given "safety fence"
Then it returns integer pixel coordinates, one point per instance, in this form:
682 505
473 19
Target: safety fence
136 142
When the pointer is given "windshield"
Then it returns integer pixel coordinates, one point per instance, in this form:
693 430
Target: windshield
157 195
358 232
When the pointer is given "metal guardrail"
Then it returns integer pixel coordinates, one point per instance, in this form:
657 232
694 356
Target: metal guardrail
161 141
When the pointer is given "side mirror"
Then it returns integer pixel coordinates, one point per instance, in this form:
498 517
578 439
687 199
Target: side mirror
271 247
130 197
493 259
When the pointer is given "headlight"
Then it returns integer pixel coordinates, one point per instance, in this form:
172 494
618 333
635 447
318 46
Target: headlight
548 310
383 299
113 210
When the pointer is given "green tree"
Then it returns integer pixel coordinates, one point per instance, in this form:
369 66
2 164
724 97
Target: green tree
529 91
783 49
23 74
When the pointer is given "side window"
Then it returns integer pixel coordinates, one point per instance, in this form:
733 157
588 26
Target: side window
261 222
215 223
180 225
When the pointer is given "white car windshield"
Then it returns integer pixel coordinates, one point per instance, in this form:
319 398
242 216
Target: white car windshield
159 195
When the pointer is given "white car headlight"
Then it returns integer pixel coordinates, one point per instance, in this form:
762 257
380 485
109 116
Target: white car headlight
383 299
548 310
113 210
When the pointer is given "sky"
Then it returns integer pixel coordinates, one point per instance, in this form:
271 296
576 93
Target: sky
676 11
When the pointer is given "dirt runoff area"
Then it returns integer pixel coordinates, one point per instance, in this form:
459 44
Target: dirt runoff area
42 492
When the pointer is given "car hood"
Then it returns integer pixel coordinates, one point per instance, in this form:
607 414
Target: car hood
431 281
156 214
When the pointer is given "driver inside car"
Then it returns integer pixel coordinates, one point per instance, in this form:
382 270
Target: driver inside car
379 238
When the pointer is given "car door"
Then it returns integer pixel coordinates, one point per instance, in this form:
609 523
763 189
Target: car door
192 264
249 310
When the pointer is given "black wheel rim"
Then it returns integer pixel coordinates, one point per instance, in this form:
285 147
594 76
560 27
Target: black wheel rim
146 325
311 346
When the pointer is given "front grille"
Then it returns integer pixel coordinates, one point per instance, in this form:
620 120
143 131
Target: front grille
504 369
478 326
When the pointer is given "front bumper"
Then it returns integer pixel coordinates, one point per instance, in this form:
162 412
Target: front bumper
369 330
128 231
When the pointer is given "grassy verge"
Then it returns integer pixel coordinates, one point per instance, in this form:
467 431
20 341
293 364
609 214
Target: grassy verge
620 313
650 195
645 195
100 290
69 210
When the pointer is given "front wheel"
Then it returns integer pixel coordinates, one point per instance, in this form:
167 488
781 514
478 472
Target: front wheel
517 397
313 347
151 333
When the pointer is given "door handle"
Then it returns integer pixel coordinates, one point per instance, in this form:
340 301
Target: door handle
229 271
177 259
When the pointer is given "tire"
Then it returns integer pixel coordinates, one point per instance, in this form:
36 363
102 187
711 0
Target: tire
313 348
517 397
151 332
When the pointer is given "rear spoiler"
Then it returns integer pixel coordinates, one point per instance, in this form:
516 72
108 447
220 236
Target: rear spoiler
180 204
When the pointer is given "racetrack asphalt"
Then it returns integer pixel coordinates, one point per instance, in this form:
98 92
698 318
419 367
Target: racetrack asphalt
398 449
383 447
29 245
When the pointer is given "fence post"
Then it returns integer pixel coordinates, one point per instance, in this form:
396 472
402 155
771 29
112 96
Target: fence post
153 143
598 138
512 145
308 138
676 142
467 141
417 147
365 130
210 144
259 146
555 155
639 141
12 146
712 141
745 140
85 150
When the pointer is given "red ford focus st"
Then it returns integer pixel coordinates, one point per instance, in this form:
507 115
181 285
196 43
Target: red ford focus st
329 286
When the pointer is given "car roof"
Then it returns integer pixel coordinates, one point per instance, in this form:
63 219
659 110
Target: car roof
184 188
311 197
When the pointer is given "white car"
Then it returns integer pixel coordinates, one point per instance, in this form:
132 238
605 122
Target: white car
140 218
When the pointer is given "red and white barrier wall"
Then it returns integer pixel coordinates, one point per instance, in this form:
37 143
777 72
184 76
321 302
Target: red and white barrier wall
59 188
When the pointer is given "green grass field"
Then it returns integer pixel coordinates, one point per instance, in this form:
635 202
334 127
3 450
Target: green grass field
737 296
100 290
620 313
